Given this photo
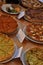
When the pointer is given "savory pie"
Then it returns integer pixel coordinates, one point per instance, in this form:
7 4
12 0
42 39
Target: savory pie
6 47
34 56
7 24
32 4
35 31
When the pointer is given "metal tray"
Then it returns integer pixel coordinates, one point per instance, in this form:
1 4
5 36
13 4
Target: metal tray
38 42
23 57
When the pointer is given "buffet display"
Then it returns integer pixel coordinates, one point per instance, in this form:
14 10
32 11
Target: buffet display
33 31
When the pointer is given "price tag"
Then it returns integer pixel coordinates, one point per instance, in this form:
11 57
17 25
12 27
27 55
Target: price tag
21 36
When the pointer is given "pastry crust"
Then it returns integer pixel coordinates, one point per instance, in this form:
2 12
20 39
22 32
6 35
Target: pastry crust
6 47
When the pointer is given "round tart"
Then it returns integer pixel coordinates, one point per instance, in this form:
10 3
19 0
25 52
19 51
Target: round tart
6 47
35 32
7 24
34 4
34 56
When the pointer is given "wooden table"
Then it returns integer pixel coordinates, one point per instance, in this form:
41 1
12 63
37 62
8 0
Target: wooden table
26 43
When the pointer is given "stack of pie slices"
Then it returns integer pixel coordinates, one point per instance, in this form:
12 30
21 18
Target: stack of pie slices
32 4
34 15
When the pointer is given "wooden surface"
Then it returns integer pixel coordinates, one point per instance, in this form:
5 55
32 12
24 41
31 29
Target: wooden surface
26 43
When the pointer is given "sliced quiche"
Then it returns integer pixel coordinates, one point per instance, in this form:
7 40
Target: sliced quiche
34 56
6 47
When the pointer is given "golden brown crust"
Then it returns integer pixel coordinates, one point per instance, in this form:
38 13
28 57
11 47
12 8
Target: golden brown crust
6 47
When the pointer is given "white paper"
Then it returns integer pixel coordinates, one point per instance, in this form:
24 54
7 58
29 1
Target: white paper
20 35
41 0
18 52
22 13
